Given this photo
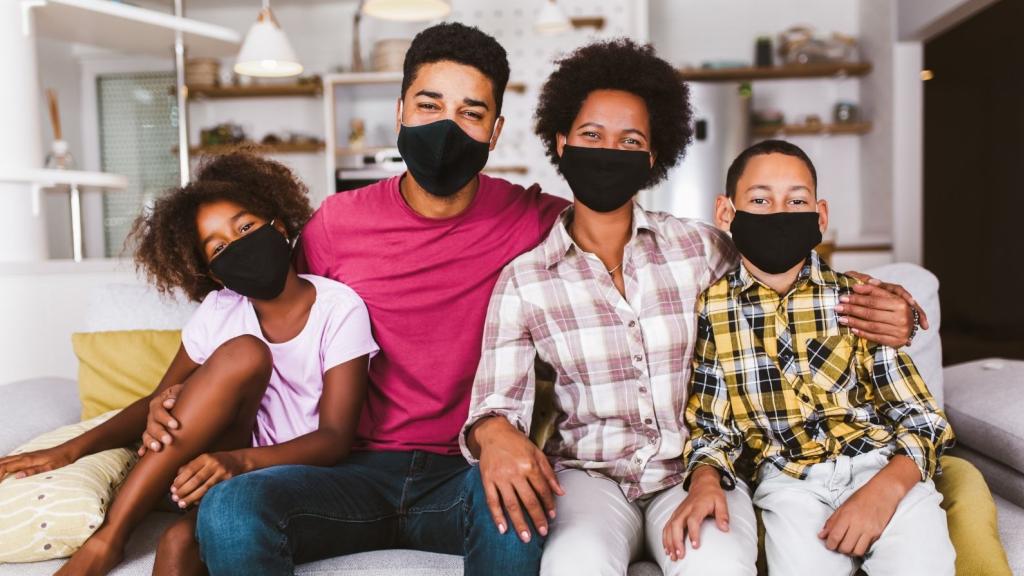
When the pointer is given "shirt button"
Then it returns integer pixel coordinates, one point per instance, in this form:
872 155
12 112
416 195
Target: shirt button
632 323
805 397
643 390
638 358
648 421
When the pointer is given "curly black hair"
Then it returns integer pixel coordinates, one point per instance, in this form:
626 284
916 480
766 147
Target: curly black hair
456 42
166 238
619 65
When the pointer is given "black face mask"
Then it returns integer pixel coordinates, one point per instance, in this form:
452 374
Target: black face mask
441 156
255 265
604 179
775 242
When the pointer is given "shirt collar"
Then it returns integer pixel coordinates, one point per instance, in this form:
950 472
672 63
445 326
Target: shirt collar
814 270
558 243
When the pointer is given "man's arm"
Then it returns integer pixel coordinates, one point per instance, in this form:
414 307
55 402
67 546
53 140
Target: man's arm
516 475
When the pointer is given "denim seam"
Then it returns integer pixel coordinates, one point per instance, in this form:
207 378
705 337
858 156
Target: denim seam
283 524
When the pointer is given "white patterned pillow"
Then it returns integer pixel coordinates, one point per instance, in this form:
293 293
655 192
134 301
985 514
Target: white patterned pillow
50 515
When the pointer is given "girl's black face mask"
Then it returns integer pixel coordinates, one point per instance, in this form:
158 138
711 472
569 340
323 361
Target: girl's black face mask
777 242
441 156
255 265
604 179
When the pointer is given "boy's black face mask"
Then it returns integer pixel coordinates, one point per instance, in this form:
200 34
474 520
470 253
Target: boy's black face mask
255 265
441 156
775 242
604 179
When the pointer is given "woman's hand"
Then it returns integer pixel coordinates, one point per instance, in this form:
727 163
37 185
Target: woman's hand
202 473
881 312
29 463
159 421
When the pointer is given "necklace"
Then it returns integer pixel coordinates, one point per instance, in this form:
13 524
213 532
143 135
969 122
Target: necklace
612 271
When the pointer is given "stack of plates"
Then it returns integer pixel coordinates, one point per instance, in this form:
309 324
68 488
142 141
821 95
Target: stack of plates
389 55
202 72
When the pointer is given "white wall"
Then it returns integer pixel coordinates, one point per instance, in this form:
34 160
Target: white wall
923 19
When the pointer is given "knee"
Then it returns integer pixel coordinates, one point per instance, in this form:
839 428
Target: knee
177 541
234 520
247 353
484 541
583 557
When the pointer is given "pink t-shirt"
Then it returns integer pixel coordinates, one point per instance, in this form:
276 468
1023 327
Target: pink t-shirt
336 331
426 283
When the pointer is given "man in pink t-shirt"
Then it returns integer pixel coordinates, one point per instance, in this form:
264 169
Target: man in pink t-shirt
424 251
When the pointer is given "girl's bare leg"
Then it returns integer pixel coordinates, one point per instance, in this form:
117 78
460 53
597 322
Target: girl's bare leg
217 405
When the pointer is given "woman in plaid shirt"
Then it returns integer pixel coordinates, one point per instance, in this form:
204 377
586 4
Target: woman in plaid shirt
608 301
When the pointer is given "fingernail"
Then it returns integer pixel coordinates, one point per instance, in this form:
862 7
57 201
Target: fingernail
173 489
679 553
154 445
166 439
19 475
525 536
839 308
173 497
844 320
172 424
501 528
551 514
543 530
181 504
844 298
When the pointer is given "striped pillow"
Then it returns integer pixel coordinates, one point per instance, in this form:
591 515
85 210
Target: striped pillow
50 515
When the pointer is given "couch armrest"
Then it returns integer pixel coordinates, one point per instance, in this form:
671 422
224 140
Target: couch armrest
30 407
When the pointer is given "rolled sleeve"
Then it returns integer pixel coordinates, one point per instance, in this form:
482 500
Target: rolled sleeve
922 431
714 438
505 382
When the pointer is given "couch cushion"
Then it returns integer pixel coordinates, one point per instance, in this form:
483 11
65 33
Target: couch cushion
29 408
117 368
51 514
1002 479
971 517
926 351
984 402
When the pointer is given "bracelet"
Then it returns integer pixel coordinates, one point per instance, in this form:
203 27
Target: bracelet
917 325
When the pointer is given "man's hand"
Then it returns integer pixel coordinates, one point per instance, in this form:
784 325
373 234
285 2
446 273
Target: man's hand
706 498
29 463
159 422
516 475
202 473
880 312
855 525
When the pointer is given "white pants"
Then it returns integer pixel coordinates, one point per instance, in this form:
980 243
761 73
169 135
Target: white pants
599 532
916 540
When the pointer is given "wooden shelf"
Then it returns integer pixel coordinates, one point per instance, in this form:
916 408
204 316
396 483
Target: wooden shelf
804 130
506 169
196 92
362 78
125 28
283 148
790 71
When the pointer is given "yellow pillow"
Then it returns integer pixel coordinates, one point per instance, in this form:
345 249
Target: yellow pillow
50 515
117 368
971 518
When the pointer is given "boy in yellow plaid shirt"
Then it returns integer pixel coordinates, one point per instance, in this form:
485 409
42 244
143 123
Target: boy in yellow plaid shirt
844 434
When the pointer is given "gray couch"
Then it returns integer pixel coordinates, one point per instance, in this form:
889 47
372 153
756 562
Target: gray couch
984 401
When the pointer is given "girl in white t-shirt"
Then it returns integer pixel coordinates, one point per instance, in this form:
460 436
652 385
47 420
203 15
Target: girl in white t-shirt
271 369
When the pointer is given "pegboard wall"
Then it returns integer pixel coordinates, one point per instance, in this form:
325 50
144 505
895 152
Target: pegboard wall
531 59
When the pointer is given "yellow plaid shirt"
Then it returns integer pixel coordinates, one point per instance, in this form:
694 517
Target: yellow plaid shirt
781 376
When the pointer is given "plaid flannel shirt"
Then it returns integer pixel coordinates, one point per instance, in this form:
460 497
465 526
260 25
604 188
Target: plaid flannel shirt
622 365
781 375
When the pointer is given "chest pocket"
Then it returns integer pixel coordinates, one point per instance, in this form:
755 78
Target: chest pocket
829 359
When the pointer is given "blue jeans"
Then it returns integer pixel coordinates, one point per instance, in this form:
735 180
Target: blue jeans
267 521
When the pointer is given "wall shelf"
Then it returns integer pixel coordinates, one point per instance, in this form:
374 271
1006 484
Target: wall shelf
786 72
853 128
283 148
125 28
198 92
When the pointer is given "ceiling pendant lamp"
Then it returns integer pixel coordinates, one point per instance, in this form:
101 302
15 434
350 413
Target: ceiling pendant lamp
266 51
407 10
551 19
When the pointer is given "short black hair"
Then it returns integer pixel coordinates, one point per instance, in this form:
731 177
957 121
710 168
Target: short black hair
619 65
456 42
765 147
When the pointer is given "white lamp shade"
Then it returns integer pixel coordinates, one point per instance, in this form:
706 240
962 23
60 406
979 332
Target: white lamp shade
407 10
552 20
266 51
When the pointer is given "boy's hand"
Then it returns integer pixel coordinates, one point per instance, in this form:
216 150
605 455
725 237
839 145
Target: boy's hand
706 498
855 526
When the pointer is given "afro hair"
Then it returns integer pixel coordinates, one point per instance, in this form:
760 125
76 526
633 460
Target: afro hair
462 44
619 65
166 238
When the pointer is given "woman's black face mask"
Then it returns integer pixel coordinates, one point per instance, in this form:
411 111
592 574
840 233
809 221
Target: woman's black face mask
604 179
255 265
